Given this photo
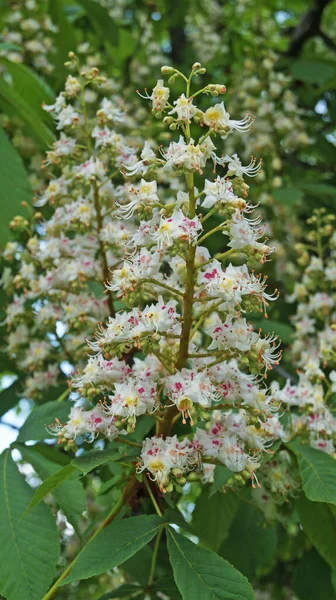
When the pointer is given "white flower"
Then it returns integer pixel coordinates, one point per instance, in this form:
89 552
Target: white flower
184 108
235 166
218 118
219 190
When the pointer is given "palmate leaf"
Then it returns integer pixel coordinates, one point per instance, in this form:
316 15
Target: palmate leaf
318 472
30 546
200 573
115 544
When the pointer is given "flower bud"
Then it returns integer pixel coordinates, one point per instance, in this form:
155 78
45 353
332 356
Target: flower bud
166 70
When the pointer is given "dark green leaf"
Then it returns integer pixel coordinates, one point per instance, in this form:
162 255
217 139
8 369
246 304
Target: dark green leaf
318 472
69 494
31 87
9 397
319 189
114 545
25 111
313 71
312 578
65 38
34 427
30 546
221 476
90 460
101 21
200 573
50 484
250 545
288 196
138 566
212 517
15 187
319 524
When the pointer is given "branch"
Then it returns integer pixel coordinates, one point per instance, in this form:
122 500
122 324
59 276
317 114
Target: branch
307 28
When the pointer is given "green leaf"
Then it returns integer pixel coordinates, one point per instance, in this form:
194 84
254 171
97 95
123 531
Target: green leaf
15 187
49 485
318 473
249 545
25 111
34 428
288 196
31 87
101 22
167 586
138 566
312 578
69 494
283 330
212 517
319 189
319 524
313 71
221 476
30 546
90 460
113 545
200 573
9 396
65 39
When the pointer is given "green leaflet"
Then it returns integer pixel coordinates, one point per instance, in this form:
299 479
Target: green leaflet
213 516
49 485
200 573
249 544
92 459
318 472
15 188
319 524
30 546
68 493
312 578
113 545
34 427
26 112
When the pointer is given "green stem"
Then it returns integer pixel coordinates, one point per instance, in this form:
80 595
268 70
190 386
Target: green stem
64 395
154 557
163 285
128 442
151 495
206 235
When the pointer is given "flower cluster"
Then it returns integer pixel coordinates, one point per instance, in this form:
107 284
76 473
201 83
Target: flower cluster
182 349
62 253
29 34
